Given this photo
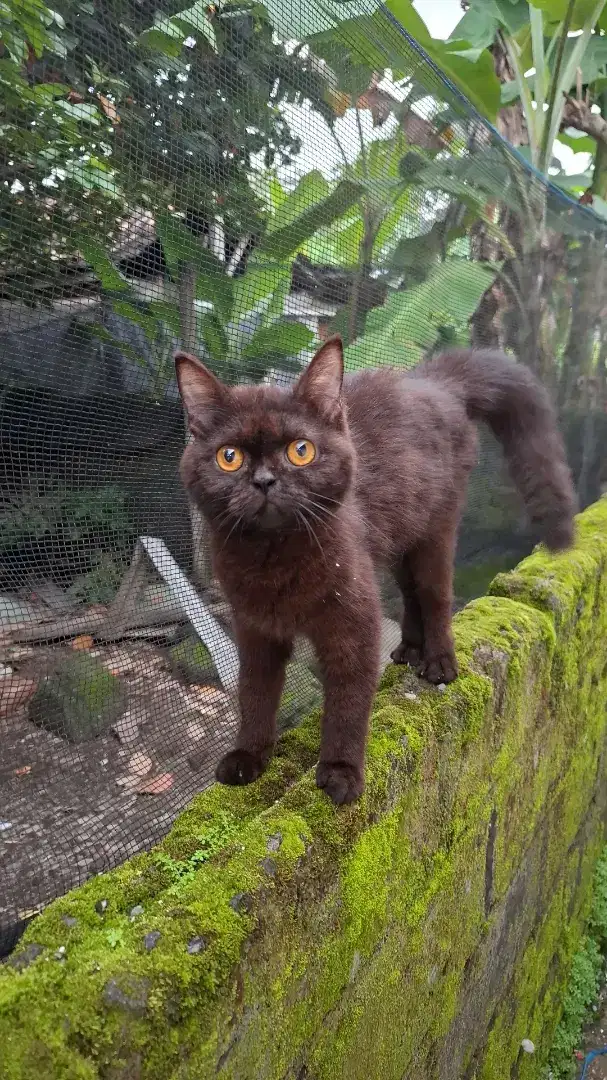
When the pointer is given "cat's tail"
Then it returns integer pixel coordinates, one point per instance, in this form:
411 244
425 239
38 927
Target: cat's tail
510 399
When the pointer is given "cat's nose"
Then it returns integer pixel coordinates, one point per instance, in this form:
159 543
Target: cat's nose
263 479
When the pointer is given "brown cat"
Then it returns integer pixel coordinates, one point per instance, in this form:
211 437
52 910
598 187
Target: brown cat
306 489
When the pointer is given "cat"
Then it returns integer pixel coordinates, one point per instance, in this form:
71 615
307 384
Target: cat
307 489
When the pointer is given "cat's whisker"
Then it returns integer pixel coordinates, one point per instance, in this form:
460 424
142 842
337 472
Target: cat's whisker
327 498
238 521
321 521
323 509
311 530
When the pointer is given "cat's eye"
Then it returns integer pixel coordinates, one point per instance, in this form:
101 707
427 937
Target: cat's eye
229 458
301 452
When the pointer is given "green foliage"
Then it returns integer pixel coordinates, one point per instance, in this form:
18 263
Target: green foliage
137 111
90 526
214 838
413 321
586 976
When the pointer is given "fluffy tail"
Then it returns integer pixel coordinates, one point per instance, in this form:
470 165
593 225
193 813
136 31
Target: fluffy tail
517 408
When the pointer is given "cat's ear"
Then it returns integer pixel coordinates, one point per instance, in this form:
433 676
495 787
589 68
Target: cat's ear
321 383
199 388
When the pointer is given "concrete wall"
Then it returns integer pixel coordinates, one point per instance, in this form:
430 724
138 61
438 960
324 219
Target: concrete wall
421 934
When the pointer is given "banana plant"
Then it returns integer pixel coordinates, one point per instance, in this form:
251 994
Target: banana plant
552 46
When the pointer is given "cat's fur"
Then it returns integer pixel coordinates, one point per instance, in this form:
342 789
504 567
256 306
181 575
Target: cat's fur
394 451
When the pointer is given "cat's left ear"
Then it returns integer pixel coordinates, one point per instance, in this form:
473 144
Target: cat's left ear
322 381
199 388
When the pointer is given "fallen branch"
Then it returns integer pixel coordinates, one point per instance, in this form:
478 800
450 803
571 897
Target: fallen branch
101 626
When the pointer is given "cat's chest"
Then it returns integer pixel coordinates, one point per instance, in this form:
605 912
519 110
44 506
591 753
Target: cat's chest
277 597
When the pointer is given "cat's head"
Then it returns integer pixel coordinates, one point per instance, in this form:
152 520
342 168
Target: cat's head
262 457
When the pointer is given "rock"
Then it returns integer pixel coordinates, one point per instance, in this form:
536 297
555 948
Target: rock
269 865
15 691
69 920
192 660
135 912
78 700
528 1046
101 907
241 903
126 728
196 945
151 940
24 959
130 994
302 694
140 764
60 954
274 842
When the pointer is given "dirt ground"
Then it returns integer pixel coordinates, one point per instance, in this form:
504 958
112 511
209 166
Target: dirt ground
69 811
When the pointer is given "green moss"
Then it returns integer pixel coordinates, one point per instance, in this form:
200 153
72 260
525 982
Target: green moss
385 938
78 699
193 660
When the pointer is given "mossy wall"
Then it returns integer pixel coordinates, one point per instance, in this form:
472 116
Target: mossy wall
422 933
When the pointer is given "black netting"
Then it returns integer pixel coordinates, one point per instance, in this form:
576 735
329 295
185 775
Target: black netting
200 177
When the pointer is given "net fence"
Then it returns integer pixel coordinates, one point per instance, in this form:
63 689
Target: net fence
240 180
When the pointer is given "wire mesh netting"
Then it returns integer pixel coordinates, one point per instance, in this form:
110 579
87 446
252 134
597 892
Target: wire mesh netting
239 180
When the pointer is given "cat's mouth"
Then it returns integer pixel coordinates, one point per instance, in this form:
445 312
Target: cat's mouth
269 516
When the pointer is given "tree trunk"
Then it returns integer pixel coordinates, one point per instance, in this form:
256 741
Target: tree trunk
486 329
201 559
583 378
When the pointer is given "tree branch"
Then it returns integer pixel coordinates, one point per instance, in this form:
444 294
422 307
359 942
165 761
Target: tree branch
577 114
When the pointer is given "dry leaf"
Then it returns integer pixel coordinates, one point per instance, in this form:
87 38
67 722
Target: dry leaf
196 731
210 694
120 663
109 109
23 771
156 785
140 763
84 641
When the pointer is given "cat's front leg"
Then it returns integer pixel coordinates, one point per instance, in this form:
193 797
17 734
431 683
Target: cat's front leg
260 683
347 642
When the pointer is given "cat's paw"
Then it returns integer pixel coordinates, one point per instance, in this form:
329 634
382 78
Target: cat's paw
407 653
441 668
240 767
342 783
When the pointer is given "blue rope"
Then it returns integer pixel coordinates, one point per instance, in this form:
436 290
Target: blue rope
590 1058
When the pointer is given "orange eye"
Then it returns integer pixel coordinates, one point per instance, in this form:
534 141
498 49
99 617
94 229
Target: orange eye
229 458
301 452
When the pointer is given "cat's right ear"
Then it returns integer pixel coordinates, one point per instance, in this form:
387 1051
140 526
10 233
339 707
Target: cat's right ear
199 388
321 383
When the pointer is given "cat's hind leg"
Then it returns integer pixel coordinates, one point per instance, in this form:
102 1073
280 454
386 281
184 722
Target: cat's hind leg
431 564
410 649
